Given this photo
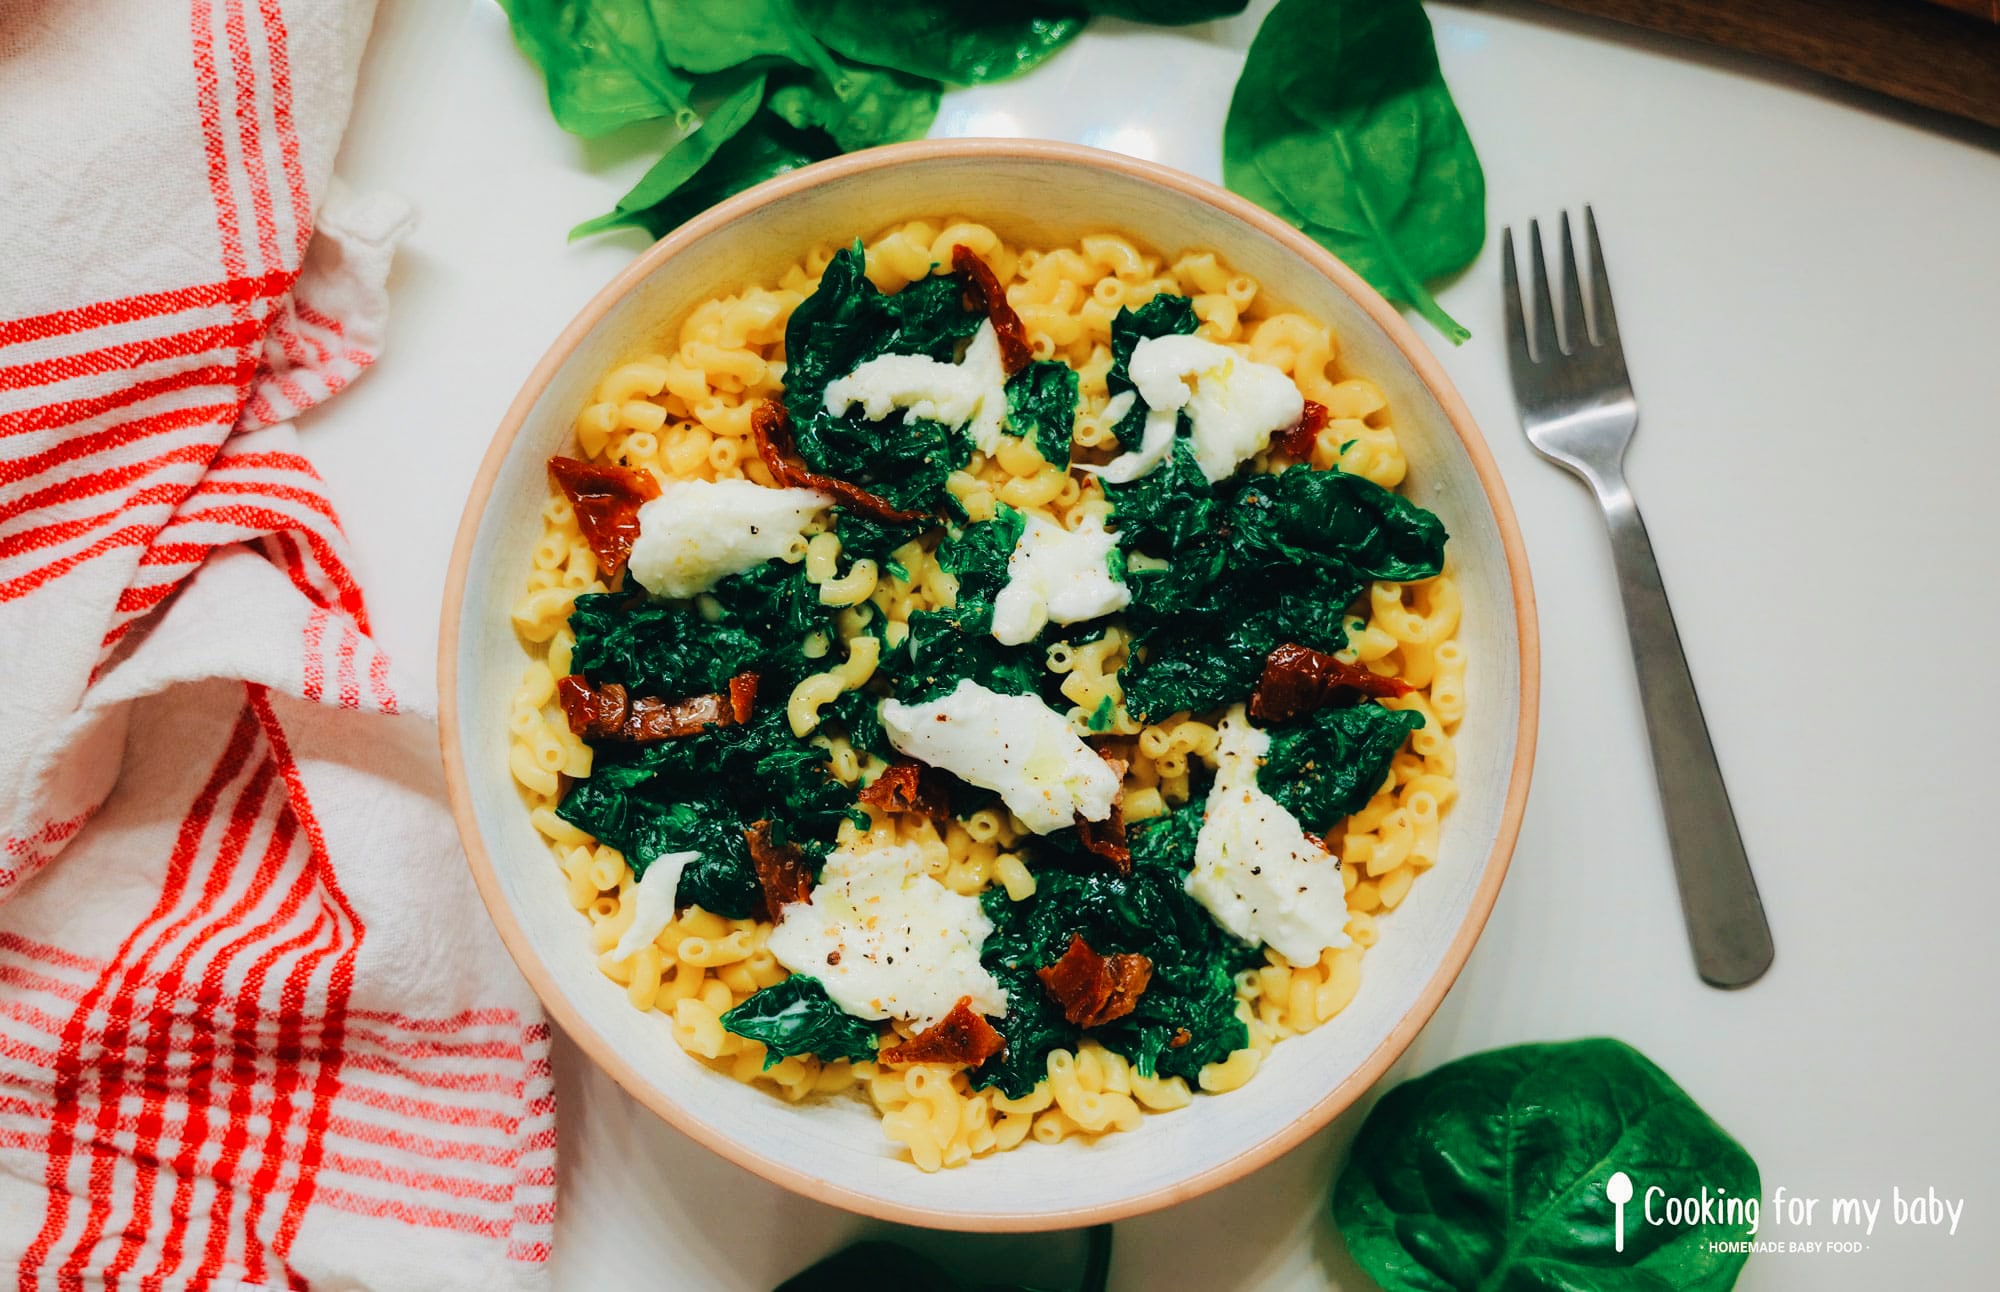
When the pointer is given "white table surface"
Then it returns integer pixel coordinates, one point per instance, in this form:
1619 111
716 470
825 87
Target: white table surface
1807 282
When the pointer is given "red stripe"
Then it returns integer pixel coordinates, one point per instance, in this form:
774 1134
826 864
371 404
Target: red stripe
427 1146
310 499
131 309
175 553
111 437
43 951
319 319
265 458
451 1186
457 1116
456 1082
98 483
153 1027
129 536
465 1018
339 986
51 416
276 41
15 976
350 686
378 682
69 1066
248 132
22 1012
131 354
313 681
422 1217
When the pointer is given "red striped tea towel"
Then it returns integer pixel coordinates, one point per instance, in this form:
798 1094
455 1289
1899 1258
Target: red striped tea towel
255 1031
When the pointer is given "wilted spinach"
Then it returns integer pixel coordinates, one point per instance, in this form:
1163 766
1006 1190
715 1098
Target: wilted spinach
1490 1173
1041 402
1328 764
1342 125
796 1016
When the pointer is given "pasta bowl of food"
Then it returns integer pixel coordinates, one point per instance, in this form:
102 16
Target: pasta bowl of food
990 683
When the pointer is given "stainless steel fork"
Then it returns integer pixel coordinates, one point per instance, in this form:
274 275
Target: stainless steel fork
1578 409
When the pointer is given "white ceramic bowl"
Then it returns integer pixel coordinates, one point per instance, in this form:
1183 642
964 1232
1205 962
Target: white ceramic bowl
1039 194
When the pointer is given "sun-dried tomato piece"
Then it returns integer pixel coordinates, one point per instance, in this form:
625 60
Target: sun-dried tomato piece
1298 679
1297 440
781 870
606 500
1181 1037
610 712
1106 838
909 787
988 295
1094 989
773 427
743 696
962 1036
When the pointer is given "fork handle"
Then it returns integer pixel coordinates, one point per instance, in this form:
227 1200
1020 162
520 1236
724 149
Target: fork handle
1725 917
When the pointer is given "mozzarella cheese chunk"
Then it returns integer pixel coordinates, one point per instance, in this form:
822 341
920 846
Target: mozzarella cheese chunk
888 941
971 393
1012 744
654 906
1255 870
1057 575
1234 405
700 531
1156 441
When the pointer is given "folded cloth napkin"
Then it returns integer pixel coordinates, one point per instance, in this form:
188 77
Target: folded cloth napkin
255 1030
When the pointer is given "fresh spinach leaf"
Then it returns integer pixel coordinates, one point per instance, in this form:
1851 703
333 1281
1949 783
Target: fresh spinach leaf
765 148
1342 125
1329 763
859 107
1041 402
1490 1173
957 44
710 35
874 1265
682 161
1167 13
1192 989
603 61
796 1016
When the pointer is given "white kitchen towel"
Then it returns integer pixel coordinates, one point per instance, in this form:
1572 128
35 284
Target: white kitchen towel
255 1031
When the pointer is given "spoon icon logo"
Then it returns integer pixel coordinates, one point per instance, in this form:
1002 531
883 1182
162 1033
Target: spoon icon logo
1619 1190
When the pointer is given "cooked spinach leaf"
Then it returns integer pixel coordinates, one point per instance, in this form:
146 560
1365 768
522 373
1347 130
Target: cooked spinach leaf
875 1265
1164 315
619 807
957 44
843 324
1342 125
656 647
1329 763
857 713
977 557
1192 990
1041 402
942 651
604 63
1490 1173
796 1016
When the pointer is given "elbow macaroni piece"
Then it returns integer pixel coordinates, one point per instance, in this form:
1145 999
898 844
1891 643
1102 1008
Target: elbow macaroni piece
683 412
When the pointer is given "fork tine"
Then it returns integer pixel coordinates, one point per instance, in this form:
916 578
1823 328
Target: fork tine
1603 317
1547 346
1519 360
1574 325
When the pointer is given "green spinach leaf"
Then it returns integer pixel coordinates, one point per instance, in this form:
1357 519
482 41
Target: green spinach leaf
977 557
686 158
1041 402
1329 763
1164 315
1167 13
710 35
1192 989
764 148
957 44
1342 125
860 107
797 1017
1489 1174
875 1265
603 61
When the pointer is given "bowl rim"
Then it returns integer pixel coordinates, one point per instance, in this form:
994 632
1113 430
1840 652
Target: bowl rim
570 1018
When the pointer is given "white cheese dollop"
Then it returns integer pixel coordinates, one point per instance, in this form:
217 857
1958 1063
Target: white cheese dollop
700 531
1057 575
888 941
1155 442
1254 869
656 894
971 393
1012 744
1234 406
